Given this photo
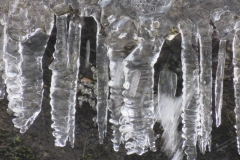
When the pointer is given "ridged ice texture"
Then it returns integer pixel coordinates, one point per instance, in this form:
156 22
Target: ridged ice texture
102 64
224 20
168 112
219 81
236 81
3 14
122 31
204 31
65 68
190 115
24 45
137 118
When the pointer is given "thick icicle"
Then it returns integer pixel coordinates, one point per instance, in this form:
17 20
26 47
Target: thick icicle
117 52
204 32
24 44
137 118
236 80
219 81
63 89
190 115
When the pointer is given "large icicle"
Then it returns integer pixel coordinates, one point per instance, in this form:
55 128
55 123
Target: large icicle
3 20
102 84
24 44
117 52
219 81
190 106
204 31
137 118
65 68
236 80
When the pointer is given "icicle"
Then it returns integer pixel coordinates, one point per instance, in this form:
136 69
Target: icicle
24 45
224 20
219 81
190 102
236 80
2 85
205 41
87 54
64 79
3 14
102 85
117 52
138 110
116 84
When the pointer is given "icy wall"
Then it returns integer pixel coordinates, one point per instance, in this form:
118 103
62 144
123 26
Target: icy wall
130 36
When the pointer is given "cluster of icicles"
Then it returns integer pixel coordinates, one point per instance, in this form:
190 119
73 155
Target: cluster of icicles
130 36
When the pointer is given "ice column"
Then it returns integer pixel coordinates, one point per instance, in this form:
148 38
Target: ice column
219 81
25 40
137 118
2 85
121 31
3 15
65 68
190 115
204 32
102 85
236 80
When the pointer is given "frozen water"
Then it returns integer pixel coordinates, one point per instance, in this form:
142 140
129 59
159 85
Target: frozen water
130 36
64 79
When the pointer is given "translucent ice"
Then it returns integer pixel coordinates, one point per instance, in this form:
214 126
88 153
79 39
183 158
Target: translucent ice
236 80
204 31
25 39
224 20
190 116
64 79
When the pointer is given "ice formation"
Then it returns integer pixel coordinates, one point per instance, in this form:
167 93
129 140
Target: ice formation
129 39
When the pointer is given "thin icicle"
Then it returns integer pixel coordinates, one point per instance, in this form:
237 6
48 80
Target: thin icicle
87 54
102 85
224 21
64 79
236 80
204 32
190 106
2 84
219 81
